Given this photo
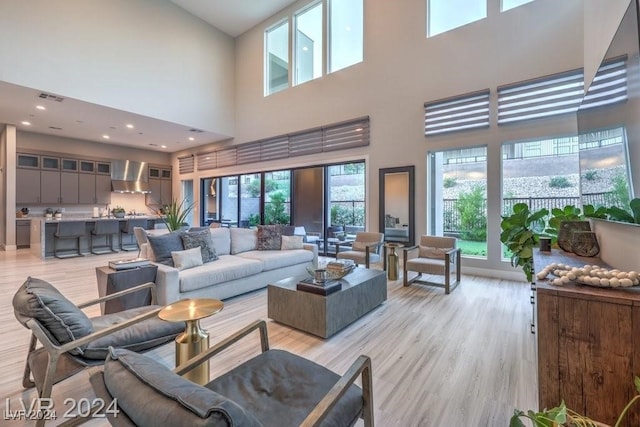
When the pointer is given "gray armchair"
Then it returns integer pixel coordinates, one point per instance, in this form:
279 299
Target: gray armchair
435 255
364 250
72 341
274 388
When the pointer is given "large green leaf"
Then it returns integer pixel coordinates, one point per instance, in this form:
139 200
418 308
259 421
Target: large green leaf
617 214
635 208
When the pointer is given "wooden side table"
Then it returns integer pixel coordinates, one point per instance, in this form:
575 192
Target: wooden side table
111 281
194 340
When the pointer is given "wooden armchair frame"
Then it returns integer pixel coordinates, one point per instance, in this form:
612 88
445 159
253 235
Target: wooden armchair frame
451 265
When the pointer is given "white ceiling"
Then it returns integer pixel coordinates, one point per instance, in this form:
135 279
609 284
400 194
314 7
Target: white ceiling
234 17
77 119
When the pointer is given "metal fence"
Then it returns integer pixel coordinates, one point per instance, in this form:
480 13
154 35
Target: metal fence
452 221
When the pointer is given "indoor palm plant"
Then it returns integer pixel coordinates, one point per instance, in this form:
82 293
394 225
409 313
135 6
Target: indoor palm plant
175 214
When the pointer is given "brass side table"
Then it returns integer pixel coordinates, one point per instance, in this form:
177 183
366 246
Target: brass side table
194 340
392 260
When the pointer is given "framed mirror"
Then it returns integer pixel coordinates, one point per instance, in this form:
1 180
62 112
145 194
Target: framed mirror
397 205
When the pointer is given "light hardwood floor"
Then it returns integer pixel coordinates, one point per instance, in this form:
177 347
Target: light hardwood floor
464 359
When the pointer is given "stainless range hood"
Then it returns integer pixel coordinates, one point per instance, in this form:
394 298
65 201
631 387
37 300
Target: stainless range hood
129 177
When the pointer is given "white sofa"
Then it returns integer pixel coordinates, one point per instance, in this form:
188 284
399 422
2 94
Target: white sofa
240 268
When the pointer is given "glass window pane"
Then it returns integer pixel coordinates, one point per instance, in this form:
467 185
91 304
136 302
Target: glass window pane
510 4
542 173
459 198
277 58
346 196
604 170
209 203
308 44
229 200
249 200
277 197
346 33
445 15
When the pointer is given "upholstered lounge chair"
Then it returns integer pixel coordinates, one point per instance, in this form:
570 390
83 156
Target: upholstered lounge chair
435 255
274 388
364 250
72 341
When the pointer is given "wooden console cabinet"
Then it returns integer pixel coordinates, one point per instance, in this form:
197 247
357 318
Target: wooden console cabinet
588 345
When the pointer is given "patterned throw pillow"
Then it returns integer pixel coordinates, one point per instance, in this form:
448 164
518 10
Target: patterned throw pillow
164 244
269 237
203 240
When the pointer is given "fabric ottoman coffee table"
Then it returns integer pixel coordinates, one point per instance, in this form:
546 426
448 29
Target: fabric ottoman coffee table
362 291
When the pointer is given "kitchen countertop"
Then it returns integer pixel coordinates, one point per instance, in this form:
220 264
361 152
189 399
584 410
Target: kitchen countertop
90 219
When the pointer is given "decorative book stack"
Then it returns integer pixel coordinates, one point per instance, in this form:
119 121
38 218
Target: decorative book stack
324 289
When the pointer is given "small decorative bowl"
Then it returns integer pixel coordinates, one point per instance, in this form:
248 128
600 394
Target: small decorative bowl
329 274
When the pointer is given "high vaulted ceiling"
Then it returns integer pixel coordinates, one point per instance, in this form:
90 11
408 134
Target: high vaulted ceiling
72 118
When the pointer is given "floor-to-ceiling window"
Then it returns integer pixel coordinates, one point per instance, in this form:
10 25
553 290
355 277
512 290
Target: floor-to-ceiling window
277 197
459 197
250 199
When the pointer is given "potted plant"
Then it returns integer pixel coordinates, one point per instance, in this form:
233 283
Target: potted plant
118 212
520 233
563 416
48 213
175 214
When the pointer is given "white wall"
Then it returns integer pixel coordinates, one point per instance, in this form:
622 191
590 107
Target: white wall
7 188
401 70
149 57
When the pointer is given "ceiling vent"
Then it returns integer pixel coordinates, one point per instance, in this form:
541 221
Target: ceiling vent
50 97
196 130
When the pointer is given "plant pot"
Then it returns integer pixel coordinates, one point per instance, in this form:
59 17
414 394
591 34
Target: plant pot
118 214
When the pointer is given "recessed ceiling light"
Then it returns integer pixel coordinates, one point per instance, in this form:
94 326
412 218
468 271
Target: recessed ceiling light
41 107
130 126
26 123
106 136
163 146
191 138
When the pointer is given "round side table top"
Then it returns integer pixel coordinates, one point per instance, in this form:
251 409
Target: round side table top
190 309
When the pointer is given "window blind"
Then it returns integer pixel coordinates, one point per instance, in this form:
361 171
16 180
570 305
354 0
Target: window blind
206 161
469 111
609 85
186 164
346 135
547 96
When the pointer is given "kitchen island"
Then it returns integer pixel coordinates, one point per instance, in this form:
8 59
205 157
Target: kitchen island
43 230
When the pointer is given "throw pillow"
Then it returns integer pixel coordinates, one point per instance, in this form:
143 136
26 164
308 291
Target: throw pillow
188 258
292 242
40 300
150 394
243 240
432 252
201 239
269 237
164 244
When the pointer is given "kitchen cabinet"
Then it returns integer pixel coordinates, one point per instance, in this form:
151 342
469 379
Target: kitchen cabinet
23 233
160 186
27 186
49 180
588 353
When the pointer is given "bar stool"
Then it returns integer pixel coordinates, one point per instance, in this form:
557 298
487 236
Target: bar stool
128 230
104 228
68 230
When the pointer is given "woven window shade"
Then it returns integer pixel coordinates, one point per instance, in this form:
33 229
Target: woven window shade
186 164
346 135
469 111
206 161
609 86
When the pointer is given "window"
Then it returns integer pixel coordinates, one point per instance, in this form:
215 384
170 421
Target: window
445 15
308 44
277 58
277 197
345 33
250 199
510 4
344 23
458 197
